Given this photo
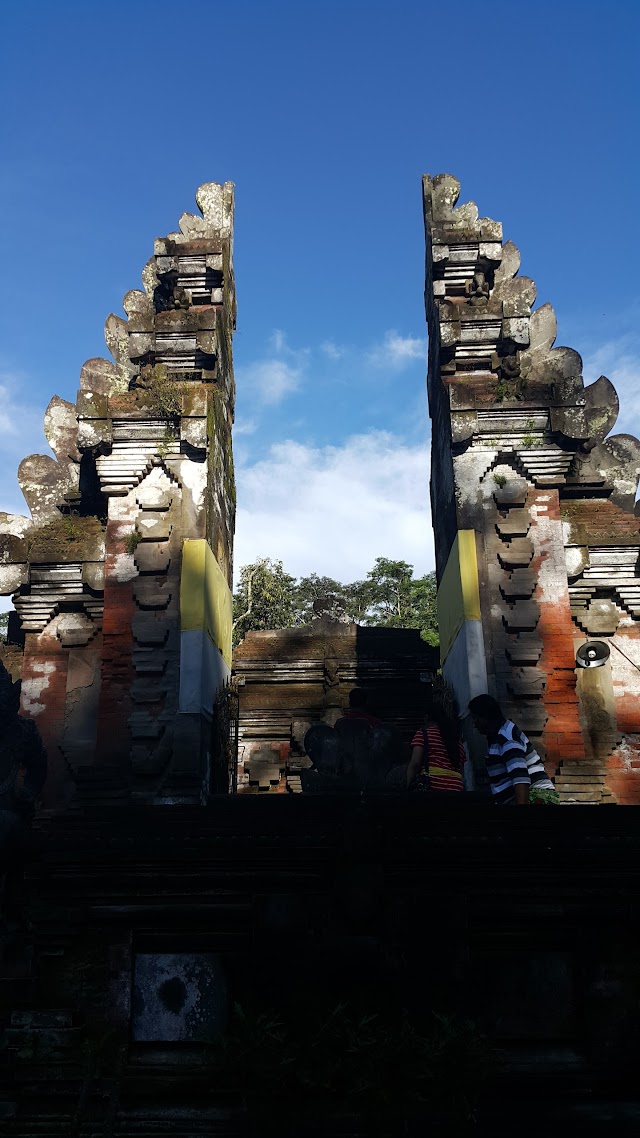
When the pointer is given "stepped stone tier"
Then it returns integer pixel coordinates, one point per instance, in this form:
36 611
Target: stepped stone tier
292 678
533 500
121 576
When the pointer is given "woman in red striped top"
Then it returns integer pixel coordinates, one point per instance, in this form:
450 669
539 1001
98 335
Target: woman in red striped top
437 755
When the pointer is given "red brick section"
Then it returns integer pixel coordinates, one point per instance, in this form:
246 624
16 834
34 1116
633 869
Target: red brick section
114 740
562 736
599 521
623 766
44 693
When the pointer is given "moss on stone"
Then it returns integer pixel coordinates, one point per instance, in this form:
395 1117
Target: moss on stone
161 394
67 538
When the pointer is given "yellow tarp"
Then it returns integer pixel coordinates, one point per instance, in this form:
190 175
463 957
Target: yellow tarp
458 593
205 597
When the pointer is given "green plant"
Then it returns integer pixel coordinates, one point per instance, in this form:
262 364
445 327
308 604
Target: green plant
132 541
500 480
510 389
71 527
166 440
366 1062
163 395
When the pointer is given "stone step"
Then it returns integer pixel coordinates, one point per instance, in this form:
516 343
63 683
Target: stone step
41 1019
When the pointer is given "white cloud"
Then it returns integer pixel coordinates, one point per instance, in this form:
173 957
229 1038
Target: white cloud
270 380
244 427
332 510
332 350
396 351
280 373
278 342
619 360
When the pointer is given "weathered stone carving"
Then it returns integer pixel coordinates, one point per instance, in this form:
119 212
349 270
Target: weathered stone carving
523 457
142 463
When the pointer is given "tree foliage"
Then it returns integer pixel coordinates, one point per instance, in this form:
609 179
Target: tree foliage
266 598
389 596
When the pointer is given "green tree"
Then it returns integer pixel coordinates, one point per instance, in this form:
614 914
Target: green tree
424 593
266 598
390 593
398 600
389 596
359 597
314 589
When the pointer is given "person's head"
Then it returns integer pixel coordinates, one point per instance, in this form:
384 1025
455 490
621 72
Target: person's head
434 711
487 714
436 715
358 697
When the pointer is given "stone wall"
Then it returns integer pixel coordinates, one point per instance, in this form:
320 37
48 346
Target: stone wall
291 678
142 463
549 495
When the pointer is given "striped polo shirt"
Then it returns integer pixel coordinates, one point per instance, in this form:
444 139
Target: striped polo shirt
442 774
513 760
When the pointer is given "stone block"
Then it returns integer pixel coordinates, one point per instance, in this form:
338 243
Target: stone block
194 432
147 692
92 405
449 334
99 377
152 557
143 726
12 577
145 761
517 523
519 585
153 528
74 629
517 329
179 997
523 616
518 296
601 617
147 661
148 595
526 682
150 497
513 493
149 630
516 554
531 717
526 649
490 250
93 575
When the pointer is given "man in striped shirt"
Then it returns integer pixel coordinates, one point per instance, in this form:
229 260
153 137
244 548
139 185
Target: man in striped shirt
515 769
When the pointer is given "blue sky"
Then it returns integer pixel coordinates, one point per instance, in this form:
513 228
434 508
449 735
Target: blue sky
325 115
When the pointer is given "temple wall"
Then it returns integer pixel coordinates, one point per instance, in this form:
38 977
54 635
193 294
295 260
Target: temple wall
143 470
291 678
549 495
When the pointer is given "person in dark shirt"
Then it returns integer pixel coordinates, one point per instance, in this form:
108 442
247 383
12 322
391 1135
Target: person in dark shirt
359 701
516 772
21 749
